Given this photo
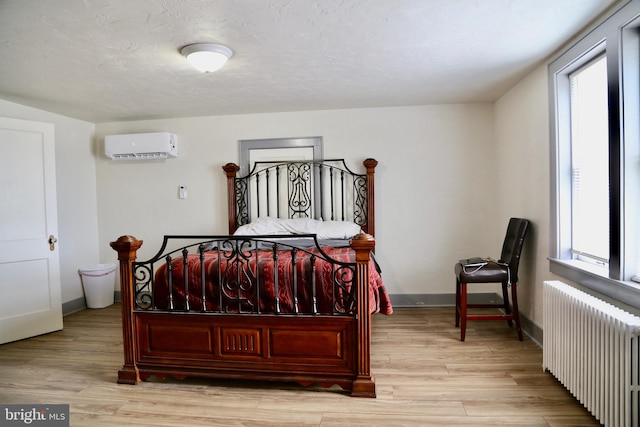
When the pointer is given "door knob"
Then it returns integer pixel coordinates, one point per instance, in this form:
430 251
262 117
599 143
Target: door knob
52 242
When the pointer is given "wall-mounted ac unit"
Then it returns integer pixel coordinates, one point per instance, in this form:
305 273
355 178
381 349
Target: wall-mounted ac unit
141 146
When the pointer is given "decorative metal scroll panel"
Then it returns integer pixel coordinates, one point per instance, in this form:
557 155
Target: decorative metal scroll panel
324 189
279 278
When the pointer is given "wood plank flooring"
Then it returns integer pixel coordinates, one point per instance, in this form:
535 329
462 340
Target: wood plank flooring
425 377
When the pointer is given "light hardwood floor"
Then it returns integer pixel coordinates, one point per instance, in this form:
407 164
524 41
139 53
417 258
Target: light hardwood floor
425 377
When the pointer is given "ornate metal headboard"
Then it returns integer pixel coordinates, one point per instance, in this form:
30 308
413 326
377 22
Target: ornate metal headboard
319 189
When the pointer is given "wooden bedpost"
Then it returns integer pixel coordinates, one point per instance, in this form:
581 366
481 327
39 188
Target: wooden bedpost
364 385
231 169
126 246
371 164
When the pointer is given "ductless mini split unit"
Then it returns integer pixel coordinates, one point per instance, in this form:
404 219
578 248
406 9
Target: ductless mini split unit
141 146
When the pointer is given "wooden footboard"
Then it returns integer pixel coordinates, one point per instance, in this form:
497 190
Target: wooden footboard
321 348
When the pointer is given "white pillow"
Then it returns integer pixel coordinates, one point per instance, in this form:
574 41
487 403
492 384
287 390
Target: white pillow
323 229
269 225
337 230
300 225
245 230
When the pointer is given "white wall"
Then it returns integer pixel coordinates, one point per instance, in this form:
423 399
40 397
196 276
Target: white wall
76 185
522 146
449 176
436 197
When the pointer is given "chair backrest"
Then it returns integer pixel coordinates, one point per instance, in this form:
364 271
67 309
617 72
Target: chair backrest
513 243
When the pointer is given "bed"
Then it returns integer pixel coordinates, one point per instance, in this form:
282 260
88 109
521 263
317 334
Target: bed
286 296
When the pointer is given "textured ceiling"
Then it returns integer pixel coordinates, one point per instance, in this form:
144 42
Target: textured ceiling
111 60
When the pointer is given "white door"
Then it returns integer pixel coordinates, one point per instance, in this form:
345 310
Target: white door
30 300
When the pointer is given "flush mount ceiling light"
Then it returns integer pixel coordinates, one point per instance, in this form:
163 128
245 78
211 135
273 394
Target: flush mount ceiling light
206 57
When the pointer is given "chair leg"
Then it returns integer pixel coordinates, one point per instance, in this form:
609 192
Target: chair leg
457 302
463 310
516 313
505 298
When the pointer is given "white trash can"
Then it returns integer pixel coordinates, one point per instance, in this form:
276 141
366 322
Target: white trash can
98 283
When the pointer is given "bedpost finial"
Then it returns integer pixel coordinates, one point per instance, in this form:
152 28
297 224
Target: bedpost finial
363 237
231 169
370 163
363 241
126 238
126 246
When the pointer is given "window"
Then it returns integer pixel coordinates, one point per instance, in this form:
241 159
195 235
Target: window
594 89
590 163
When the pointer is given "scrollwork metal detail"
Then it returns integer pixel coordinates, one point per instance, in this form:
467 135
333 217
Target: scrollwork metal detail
299 190
143 278
242 201
238 278
344 283
360 200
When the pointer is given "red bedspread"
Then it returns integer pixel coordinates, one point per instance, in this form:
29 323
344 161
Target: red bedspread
233 284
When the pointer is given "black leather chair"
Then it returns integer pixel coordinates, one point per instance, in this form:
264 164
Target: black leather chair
504 271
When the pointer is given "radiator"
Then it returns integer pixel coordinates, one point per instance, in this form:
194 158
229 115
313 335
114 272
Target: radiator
592 348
